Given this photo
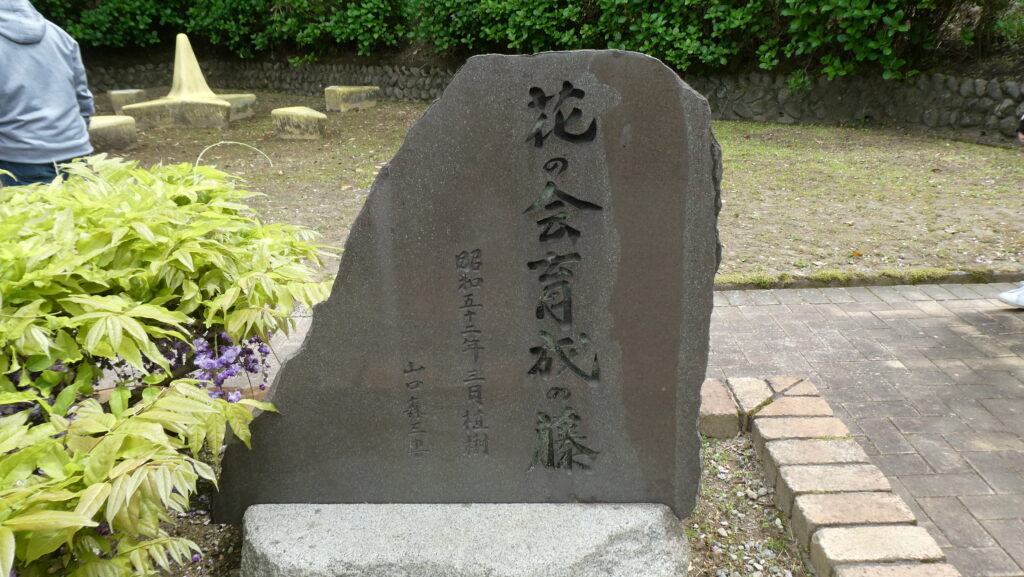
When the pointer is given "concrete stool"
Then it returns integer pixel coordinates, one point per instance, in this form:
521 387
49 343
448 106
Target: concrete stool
342 98
299 123
112 132
120 98
241 105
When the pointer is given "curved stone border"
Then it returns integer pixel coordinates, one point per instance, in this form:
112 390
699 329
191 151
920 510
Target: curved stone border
840 506
910 276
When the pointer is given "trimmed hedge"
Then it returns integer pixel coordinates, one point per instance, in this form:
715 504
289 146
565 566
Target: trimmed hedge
803 37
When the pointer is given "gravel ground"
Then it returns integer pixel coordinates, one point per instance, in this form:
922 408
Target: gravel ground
736 531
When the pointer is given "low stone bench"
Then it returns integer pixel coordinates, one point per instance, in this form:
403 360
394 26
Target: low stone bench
112 133
299 123
164 112
241 105
342 98
121 98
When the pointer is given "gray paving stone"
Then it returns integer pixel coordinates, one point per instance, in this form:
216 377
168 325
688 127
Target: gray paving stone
951 485
1010 536
788 296
838 295
905 464
720 300
1012 407
812 296
888 294
955 522
925 425
936 292
880 409
885 436
976 415
985 441
987 562
863 295
995 506
998 470
933 389
912 293
961 291
737 297
763 298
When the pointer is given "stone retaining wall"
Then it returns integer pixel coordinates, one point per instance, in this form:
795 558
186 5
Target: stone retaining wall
395 82
970 106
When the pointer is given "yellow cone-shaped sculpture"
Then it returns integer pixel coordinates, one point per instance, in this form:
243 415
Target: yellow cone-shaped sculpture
189 82
190 101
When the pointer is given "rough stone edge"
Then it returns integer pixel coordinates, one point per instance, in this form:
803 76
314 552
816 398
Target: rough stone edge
827 566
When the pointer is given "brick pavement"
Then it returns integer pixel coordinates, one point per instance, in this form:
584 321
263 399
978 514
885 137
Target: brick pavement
930 381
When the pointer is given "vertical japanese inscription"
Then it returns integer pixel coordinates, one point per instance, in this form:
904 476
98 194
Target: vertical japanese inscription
470 280
412 376
560 353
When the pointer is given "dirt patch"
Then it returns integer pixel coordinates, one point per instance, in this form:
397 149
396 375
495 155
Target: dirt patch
798 199
319 184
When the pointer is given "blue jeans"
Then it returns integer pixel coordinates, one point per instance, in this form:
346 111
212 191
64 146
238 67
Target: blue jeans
26 173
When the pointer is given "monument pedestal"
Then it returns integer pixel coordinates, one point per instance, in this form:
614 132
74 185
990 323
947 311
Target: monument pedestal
469 540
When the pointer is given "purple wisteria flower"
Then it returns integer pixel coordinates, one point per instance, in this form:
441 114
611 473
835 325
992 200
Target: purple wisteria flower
222 359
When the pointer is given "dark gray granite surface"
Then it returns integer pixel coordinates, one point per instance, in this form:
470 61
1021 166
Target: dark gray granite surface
521 312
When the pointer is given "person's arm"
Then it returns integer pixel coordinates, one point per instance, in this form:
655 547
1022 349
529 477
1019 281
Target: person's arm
85 102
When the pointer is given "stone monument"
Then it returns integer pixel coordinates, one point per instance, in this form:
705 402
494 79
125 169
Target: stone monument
190 101
521 314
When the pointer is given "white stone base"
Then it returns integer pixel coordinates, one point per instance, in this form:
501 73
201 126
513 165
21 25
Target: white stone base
474 540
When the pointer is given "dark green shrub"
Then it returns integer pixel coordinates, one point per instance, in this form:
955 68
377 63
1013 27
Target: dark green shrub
307 25
464 26
116 23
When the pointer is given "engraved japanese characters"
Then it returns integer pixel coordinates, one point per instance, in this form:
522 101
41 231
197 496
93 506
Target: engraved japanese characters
521 312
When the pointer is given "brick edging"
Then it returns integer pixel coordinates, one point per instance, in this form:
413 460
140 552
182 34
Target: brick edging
840 506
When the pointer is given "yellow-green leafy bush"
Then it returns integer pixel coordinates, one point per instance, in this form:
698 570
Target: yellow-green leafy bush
137 277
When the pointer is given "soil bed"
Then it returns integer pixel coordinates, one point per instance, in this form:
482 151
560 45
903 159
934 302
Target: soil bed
836 203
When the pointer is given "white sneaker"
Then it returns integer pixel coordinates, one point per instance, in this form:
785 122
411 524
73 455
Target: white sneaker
1014 297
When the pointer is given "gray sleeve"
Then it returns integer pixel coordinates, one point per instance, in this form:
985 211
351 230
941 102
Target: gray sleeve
85 102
